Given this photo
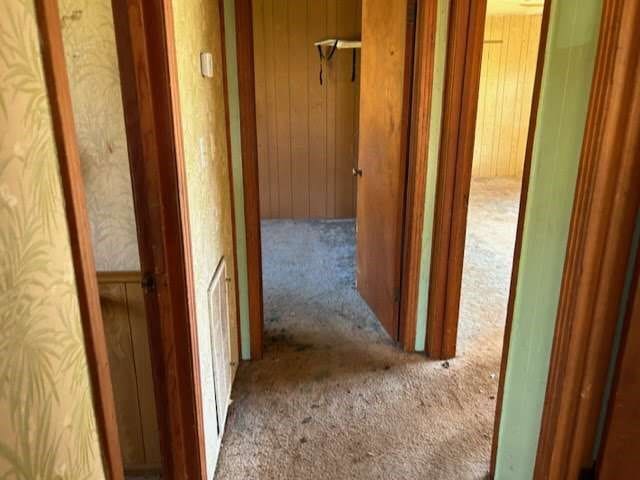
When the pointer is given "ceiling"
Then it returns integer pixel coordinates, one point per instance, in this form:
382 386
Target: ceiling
514 7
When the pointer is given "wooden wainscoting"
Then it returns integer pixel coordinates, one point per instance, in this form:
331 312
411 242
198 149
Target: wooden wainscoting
508 70
307 132
125 325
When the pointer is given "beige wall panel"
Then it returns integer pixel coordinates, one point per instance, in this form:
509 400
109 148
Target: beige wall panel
307 132
506 86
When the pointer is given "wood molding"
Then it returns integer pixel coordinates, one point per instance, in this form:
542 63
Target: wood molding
462 84
146 55
249 140
230 173
526 173
604 213
119 277
416 180
55 71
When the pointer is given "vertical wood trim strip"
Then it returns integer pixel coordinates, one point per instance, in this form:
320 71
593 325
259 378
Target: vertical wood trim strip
79 234
246 84
462 183
454 70
162 212
462 78
423 59
230 176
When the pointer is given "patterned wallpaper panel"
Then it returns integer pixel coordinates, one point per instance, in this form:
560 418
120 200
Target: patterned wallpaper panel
47 423
92 63
198 29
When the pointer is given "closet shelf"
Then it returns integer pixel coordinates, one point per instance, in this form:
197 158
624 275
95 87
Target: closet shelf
341 44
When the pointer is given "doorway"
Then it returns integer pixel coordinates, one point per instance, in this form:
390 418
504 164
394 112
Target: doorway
91 58
509 59
491 87
321 177
160 213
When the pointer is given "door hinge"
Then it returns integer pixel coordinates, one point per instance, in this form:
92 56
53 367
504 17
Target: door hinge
148 282
412 11
396 295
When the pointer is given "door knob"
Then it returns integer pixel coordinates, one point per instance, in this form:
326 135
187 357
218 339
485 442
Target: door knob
357 172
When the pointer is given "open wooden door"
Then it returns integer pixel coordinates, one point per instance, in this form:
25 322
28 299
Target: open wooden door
386 66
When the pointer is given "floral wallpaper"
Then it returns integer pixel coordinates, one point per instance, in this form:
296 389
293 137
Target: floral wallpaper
198 29
47 423
92 64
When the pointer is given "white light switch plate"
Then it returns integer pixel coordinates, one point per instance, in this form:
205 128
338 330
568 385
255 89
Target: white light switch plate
206 64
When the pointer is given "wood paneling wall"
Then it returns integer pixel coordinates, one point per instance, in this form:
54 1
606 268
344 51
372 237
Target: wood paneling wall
307 132
125 325
506 86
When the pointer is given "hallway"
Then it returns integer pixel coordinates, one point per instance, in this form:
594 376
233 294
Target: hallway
334 398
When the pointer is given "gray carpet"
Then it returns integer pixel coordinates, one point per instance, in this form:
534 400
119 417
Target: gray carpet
334 398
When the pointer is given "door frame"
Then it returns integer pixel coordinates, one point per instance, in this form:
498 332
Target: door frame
421 94
460 105
606 205
95 344
603 220
152 116
251 183
421 15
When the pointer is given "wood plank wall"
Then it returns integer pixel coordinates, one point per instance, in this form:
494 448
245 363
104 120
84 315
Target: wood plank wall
307 132
506 86
125 325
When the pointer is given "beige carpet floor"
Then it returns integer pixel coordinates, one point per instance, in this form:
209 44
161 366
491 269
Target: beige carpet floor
334 398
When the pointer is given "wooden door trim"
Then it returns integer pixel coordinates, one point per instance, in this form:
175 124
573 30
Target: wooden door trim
462 85
251 184
526 172
416 179
53 59
147 59
604 213
234 235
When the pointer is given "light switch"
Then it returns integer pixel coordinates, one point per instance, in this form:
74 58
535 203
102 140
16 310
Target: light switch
206 64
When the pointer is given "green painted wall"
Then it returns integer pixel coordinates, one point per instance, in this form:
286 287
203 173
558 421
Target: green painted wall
569 61
236 161
432 169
